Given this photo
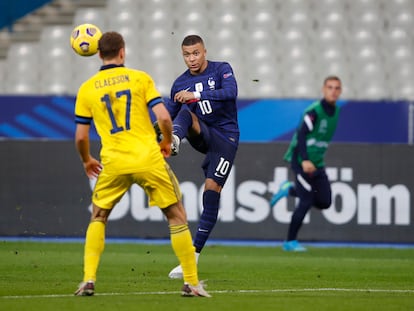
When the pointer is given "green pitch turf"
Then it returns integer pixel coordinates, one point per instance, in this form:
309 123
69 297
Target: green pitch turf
43 276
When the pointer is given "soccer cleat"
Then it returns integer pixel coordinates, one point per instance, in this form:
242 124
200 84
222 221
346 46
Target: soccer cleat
176 273
283 192
293 246
194 291
175 145
85 289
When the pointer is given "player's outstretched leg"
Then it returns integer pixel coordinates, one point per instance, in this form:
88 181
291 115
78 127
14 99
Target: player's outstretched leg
175 145
176 273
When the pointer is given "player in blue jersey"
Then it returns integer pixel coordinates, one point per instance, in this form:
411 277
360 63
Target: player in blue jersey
203 107
306 155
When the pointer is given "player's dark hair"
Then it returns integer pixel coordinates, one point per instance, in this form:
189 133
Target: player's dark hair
330 78
110 43
192 40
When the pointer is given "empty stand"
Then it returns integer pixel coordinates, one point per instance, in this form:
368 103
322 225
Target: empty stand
277 48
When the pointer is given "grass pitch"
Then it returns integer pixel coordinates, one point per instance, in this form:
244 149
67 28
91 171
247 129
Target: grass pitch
43 276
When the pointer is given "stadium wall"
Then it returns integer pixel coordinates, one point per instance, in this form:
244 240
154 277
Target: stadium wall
45 193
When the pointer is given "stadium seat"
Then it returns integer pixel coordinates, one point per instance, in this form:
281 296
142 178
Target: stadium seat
293 37
56 34
359 55
399 62
295 6
358 6
226 14
401 81
297 19
192 23
260 65
333 62
193 19
372 90
358 38
326 37
403 19
367 14
132 6
159 18
322 7
402 90
23 68
157 45
261 72
82 68
60 85
299 80
296 54
257 37
161 62
262 14
398 47
56 60
370 81
225 43
260 38
399 13
334 20
124 20
296 14
96 16
339 67
269 86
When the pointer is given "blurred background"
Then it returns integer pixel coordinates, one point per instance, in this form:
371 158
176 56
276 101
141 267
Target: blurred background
278 48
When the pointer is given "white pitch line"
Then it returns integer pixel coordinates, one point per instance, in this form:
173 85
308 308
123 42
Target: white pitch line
242 291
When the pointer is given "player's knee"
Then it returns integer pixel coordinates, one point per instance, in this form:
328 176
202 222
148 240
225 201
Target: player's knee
100 214
175 213
324 204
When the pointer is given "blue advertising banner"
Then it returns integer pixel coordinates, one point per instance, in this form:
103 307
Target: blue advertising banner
266 120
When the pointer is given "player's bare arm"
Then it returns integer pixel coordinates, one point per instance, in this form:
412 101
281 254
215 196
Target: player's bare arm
91 165
165 125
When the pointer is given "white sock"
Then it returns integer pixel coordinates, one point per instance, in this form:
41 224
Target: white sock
197 255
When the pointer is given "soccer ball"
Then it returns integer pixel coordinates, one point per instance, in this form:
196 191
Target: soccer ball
84 39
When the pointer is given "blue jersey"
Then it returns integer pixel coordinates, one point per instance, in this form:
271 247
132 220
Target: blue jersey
217 107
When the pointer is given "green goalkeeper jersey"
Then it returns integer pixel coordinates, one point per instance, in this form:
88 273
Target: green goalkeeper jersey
319 137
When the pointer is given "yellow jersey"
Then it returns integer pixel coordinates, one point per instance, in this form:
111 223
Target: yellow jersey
117 99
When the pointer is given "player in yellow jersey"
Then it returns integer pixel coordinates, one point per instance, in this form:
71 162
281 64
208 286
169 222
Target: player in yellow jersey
117 100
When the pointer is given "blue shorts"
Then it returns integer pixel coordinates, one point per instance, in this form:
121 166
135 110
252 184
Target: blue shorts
220 150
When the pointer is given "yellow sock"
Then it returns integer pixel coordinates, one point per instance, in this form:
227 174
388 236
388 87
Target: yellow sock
94 246
182 245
